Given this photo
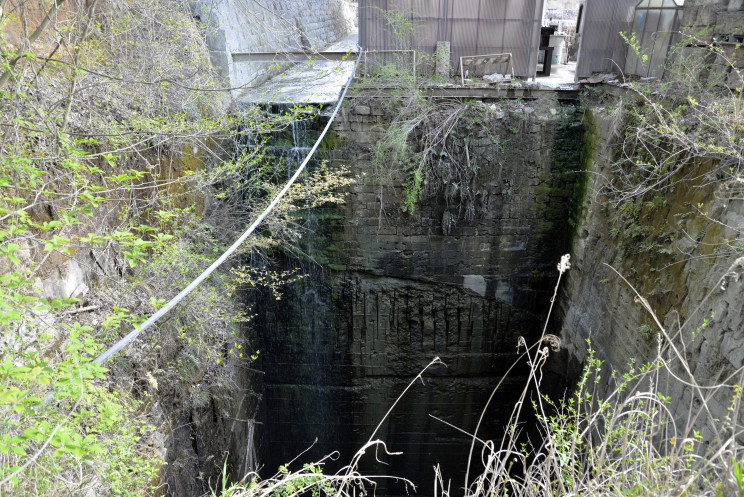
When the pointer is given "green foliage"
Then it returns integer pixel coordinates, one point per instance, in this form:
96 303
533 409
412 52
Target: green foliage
703 325
109 147
312 479
689 115
646 332
632 41
429 143
55 419
681 139
412 189
622 442
738 469
81 426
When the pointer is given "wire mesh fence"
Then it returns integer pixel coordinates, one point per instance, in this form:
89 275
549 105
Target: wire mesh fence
389 65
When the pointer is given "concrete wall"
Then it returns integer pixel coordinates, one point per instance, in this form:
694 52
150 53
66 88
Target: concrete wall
269 26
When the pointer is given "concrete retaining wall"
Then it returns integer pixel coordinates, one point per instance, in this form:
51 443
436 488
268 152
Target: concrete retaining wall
269 26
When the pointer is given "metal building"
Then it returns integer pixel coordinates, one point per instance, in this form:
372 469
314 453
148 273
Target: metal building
473 27
602 47
655 26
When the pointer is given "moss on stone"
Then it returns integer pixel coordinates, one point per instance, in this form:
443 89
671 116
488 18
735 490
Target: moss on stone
562 195
545 227
332 141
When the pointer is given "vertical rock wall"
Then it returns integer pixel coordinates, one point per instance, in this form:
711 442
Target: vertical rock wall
675 257
389 291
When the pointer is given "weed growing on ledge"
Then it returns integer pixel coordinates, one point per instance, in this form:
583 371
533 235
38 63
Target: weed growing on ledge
440 162
682 127
646 332
427 146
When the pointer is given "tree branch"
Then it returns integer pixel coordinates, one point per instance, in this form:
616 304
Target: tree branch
29 41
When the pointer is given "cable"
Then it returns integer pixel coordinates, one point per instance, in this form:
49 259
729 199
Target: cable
170 305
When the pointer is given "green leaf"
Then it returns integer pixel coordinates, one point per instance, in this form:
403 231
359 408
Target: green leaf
162 238
92 238
13 315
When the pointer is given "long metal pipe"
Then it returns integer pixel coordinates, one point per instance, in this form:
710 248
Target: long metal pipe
178 298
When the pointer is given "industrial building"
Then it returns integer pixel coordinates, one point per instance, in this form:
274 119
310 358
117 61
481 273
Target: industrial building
486 27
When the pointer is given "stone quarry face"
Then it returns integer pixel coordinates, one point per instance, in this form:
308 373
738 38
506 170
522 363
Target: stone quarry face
389 291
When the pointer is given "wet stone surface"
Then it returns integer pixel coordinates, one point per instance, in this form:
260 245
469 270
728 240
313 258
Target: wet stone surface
393 291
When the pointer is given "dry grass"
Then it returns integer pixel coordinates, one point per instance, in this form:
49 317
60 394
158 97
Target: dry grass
622 437
346 482
608 438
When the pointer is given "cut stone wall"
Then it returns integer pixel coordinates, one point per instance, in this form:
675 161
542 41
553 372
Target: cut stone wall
723 16
389 291
706 20
677 265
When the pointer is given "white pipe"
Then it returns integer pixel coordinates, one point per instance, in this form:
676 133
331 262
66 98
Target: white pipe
178 298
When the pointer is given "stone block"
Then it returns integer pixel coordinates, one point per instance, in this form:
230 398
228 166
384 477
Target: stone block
357 126
718 74
362 110
387 230
734 54
699 58
735 78
706 16
689 15
442 56
730 22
